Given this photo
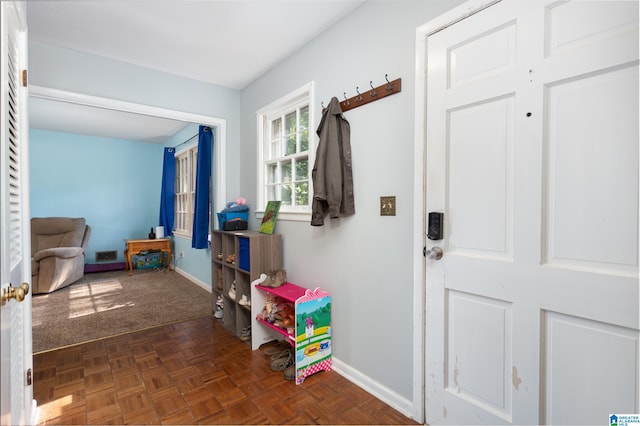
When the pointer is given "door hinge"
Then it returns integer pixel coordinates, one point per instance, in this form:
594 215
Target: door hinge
29 377
24 78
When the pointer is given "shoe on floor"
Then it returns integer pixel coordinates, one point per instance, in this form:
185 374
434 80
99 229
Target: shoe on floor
277 348
281 364
290 372
218 313
245 334
284 353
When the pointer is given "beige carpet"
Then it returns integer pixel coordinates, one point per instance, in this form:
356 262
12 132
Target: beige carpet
110 303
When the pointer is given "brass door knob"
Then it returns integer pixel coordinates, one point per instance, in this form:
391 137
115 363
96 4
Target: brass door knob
18 293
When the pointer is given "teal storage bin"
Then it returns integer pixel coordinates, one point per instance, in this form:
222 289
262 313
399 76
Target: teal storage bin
223 217
149 260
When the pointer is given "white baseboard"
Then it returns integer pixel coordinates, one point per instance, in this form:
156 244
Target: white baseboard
192 278
35 413
376 389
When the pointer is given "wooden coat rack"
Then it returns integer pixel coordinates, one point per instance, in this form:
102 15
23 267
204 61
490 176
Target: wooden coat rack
371 95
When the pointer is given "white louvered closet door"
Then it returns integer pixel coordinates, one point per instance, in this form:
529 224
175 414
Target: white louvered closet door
15 320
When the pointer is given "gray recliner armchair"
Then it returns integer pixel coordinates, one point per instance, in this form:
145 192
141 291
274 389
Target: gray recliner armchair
58 247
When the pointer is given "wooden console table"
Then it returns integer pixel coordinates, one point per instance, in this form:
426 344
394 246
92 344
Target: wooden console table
136 246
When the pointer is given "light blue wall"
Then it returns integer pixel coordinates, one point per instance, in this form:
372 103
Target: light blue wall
113 183
365 261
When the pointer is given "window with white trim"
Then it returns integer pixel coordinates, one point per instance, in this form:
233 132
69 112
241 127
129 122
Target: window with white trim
185 191
284 146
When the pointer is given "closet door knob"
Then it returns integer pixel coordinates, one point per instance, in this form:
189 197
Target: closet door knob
17 293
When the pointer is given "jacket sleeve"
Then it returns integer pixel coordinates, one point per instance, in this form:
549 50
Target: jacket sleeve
318 174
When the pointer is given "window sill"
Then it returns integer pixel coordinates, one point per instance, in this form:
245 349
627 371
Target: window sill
188 237
289 216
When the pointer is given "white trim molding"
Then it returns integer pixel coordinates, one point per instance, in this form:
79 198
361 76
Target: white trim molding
419 214
386 395
279 106
195 280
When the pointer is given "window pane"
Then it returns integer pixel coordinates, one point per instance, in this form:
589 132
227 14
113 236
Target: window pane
271 173
285 194
290 131
291 144
304 118
271 193
290 123
286 171
276 139
304 140
276 128
302 169
275 150
302 193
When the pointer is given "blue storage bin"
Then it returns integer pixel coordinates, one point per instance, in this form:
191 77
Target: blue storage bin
223 217
245 260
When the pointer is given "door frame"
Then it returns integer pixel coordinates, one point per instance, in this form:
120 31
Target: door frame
420 300
220 191
117 105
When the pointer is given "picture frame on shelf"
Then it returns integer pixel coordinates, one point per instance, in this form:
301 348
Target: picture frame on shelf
270 217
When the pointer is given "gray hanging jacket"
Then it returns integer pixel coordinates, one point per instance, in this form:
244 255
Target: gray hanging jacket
331 174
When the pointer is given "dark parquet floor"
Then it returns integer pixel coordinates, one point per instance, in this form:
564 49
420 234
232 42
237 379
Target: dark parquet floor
193 372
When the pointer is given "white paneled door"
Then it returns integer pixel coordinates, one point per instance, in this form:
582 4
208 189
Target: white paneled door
532 156
16 392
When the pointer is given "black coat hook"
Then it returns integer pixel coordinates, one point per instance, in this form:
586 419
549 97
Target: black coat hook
389 87
375 93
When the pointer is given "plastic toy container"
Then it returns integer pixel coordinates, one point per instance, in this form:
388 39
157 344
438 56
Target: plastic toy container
223 217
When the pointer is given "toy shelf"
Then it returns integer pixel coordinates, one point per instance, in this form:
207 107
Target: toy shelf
311 332
279 330
288 292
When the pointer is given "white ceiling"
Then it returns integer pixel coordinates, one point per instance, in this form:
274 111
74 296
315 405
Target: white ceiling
53 115
228 43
